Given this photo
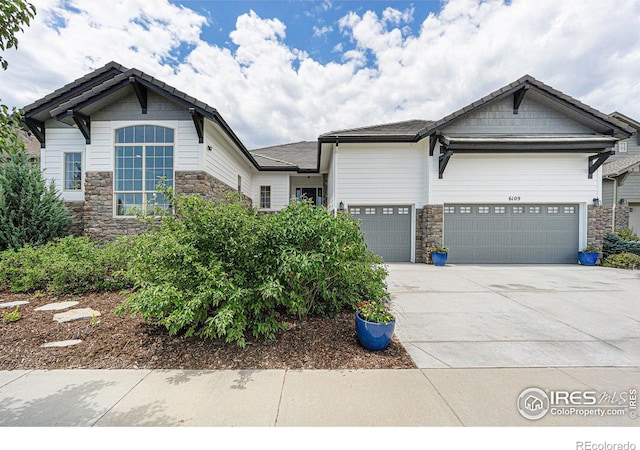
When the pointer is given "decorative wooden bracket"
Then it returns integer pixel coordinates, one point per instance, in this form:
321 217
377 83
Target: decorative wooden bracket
433 140
595 161
198 121
444 160
518 96
84 124
37 128
141 93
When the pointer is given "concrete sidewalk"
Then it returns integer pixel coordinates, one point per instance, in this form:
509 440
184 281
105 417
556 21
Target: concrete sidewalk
286 398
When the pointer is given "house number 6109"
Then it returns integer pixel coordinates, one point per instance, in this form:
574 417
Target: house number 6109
514 198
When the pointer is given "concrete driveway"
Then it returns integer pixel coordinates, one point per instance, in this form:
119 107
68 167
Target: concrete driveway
464 316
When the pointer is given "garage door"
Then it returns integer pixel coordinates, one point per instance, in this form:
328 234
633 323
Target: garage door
387 230
511 234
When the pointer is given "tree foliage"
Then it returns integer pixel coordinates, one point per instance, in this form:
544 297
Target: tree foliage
31 213
14 16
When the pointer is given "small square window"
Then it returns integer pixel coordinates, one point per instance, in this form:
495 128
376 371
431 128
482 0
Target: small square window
483 210
518 210
449 209
622 147
403 211
569 209
553 210
499 209
534 210
370 211
387 211
465 210
354 211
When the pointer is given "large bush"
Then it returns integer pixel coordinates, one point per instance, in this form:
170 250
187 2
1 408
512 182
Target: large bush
612 244
623 261
222 270
68 265
31 213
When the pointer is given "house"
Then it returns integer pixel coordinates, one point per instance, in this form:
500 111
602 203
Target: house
512 178
621 179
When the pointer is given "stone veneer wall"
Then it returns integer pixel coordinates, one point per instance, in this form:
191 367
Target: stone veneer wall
598 224
622 217
76 211
431 226
419 235
99 221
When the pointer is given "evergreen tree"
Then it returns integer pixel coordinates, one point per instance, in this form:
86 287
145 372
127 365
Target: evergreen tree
30 211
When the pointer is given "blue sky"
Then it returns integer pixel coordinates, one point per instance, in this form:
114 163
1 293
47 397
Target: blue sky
285 71
310 25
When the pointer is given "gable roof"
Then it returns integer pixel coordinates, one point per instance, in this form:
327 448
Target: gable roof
73 98
299 156
416 130
620 166
610 125
626 119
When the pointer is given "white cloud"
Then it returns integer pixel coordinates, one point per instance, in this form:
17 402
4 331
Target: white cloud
319 32
272 93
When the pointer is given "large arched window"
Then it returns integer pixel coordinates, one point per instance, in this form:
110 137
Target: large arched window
143 157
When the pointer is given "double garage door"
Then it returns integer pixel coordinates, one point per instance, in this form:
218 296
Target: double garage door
491 233
512 234
387 230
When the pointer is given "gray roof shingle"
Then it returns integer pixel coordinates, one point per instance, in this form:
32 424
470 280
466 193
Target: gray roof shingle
620 166
299 155
407 129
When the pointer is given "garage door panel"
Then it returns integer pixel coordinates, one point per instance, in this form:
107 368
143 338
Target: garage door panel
511 234
387 230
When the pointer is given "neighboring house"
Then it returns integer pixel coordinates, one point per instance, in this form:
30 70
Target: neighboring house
621 179
512 178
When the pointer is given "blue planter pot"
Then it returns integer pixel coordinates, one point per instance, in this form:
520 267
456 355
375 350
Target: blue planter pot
439 258
588 258
374 336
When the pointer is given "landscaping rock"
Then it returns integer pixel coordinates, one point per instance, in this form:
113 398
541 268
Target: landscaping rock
76 314
62 343
56 306
13 304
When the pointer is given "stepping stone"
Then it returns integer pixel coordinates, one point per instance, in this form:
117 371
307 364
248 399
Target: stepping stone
76 314
56 306
13 304
68 343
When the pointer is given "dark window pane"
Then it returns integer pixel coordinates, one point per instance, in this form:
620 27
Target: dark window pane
120 135
139 133
149 135
159 135
128 134
168 135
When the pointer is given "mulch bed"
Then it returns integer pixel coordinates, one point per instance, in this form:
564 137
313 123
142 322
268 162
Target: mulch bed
121 342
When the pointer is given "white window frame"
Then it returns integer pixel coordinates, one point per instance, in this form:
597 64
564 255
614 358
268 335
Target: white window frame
144 192
265 190
64 172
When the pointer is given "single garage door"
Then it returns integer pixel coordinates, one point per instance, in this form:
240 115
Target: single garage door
387 230
511 234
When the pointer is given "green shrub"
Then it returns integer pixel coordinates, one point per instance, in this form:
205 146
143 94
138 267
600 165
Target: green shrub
628 234
623 261
68 265
31 213
612 244
220 269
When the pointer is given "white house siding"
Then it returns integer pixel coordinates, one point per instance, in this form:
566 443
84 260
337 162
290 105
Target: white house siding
378 174
225 162
62 139
100 153
279 183
534 178
534 117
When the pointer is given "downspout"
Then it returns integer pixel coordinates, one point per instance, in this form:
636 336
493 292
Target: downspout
615 202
